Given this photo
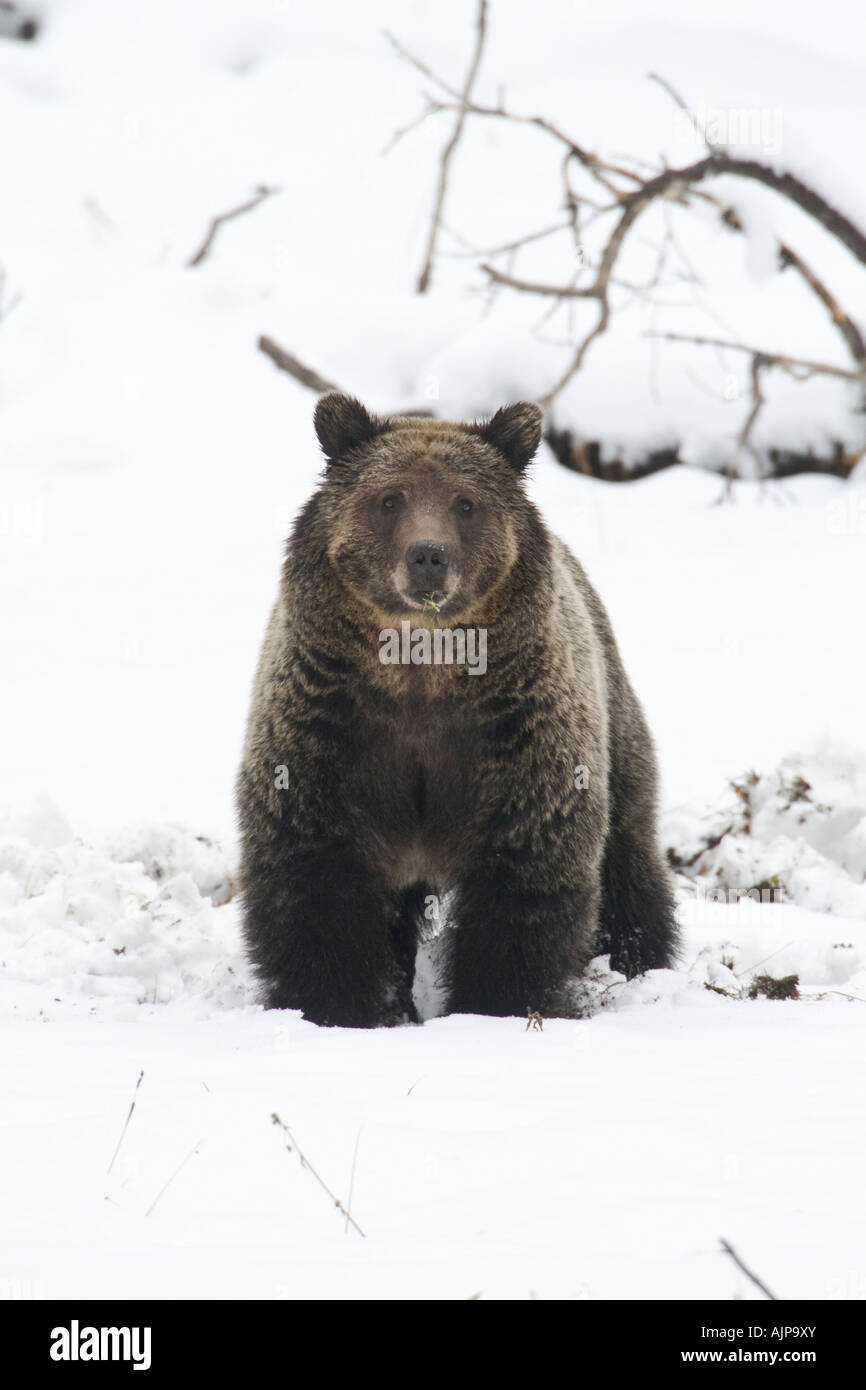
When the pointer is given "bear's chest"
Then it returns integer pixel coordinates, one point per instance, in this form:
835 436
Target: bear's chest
417 778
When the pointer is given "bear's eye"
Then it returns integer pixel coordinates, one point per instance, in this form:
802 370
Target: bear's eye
392 502
464 506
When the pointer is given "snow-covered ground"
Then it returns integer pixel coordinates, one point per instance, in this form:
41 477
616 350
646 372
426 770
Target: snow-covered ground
150 463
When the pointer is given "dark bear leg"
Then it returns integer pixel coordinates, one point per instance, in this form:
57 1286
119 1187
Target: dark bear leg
517 947
317 931
638 924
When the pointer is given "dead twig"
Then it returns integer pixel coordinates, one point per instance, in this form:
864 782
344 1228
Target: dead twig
261 193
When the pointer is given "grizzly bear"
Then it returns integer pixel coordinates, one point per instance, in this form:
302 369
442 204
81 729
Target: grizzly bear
375 776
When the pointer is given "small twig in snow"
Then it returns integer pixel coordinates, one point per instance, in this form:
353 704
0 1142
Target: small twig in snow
352 1182
729 1249
126 1123
748 970
305 1163
855 998
183 1164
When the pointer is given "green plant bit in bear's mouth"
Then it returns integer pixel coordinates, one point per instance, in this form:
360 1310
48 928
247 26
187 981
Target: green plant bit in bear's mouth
430 601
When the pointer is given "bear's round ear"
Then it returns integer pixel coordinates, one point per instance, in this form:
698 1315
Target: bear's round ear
515 431
342 423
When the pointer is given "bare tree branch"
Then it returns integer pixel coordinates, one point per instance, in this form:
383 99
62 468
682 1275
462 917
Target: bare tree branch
442 188
675 96
499 277
261 193
421 66
801 367
432 109
847 327
591 162
473 253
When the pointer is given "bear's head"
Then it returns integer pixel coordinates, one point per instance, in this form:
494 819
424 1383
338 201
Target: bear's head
421 514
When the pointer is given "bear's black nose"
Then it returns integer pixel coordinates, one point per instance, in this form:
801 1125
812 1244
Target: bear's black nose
427 562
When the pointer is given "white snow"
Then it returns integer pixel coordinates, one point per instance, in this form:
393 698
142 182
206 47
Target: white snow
151 461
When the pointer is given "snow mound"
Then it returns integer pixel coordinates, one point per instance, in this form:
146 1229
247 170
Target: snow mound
795 835
771 880
144 918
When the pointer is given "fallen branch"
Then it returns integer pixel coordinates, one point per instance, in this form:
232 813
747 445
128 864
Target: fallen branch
287 363
311 379
261 193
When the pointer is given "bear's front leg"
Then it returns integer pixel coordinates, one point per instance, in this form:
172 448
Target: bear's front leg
520 939
317 931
